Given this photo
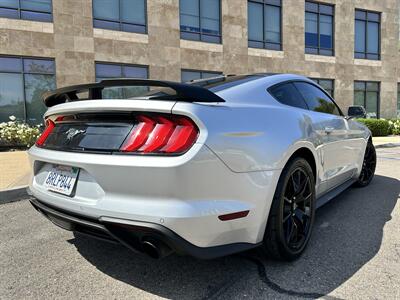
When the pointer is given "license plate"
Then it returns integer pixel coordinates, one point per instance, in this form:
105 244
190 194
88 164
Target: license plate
61 179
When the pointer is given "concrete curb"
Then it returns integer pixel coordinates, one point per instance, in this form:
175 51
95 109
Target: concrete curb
15 194
387 145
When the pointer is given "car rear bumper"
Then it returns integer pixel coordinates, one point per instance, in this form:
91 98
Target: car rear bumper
133 234
184 194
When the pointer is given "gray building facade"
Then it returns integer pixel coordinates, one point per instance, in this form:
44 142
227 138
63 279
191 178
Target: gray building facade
350 47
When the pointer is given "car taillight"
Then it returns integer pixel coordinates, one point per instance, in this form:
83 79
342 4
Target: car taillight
161 134
49 127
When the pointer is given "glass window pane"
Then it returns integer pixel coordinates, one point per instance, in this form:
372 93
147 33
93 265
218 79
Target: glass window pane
11 97
9 13
373 17
134 72
326 9
36 5
209 14
362 15
106 24
372 86
373 38
108 70
359 98
372 104
289 95
10 64
35 86
272 24
209 74
360 36
326 28
311 30
36 16
9 3
189 15
133 11
255 21
312 7
316 99
187 76
326 84
106 9
39 66
359 85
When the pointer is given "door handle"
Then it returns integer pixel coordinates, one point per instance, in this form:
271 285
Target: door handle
329 130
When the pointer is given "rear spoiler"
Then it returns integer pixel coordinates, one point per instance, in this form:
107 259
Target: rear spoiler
184 92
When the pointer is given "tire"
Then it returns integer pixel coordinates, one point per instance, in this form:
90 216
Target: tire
290 215
369 165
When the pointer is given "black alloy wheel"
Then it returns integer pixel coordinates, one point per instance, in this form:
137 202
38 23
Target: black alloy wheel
368 167
292 212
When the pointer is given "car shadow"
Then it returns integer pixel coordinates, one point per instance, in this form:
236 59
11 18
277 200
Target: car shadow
347 234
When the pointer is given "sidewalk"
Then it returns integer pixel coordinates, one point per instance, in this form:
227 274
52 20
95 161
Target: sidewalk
386 141
14 170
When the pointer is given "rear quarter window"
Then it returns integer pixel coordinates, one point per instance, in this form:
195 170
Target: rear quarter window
288 94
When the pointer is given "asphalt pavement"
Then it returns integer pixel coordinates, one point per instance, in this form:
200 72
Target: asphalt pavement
354 253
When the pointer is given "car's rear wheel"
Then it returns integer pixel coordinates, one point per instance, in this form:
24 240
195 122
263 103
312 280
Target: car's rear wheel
369 165
292 212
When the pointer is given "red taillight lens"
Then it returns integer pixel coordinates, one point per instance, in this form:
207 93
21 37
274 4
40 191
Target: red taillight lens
161 134
49 127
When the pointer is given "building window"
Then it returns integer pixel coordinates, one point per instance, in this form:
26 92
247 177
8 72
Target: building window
188 75
122 15
200 20
327 84
264 24
366 94
367 35
35 10
319 28
111 70
22 83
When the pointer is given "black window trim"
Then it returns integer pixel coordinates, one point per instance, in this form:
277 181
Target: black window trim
120 23
365 53
305 81
264 2
378 105
318 33
19 10
200 34
21 58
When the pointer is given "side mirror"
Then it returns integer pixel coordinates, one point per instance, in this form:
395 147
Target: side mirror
356 112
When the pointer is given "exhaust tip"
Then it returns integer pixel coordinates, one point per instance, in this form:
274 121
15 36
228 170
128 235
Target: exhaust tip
150 249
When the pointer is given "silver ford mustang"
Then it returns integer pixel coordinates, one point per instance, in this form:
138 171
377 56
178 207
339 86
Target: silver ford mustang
206 169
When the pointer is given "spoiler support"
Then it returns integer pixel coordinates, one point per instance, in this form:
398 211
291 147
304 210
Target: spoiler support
184 92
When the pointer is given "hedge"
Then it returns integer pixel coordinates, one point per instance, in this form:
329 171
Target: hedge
378 127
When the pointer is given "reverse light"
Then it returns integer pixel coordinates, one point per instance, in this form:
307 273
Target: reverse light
161 134
43 137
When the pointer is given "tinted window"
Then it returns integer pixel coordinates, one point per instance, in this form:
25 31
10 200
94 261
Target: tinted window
288 94
367 36
22 83
200 20
366 94
316 99
36 10
123 15
264 24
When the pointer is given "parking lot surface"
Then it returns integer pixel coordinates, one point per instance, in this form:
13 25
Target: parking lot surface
354 253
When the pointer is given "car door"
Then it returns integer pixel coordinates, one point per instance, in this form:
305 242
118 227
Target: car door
336 152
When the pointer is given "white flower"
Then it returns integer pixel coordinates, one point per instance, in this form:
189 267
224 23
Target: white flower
12 118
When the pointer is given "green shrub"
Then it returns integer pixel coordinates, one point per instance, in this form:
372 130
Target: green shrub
378 127
394 126
14 133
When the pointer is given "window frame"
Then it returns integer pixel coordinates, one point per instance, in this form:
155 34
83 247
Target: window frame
201 73
317 80
120 22
365 53
22 72
200 34
308 109
264 42
378 104
20 10
318 29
